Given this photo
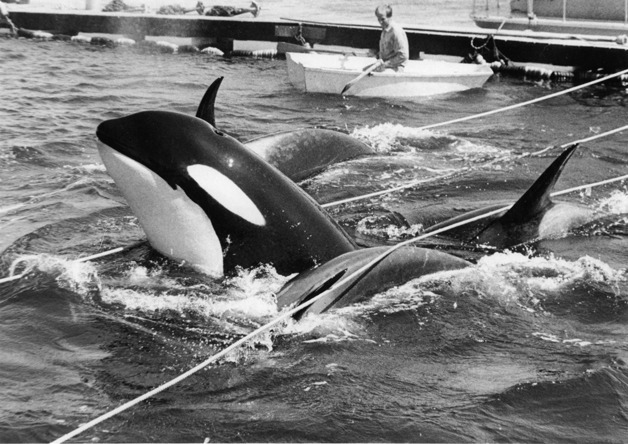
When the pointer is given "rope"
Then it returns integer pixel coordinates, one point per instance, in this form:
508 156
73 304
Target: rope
592 185
390 190
579 141
13 278
82 259
529 102
462 170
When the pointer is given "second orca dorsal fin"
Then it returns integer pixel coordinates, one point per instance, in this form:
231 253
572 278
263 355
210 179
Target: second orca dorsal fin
205 109
538 196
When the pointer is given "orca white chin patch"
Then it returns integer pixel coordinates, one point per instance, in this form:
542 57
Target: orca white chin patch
175 225
224 191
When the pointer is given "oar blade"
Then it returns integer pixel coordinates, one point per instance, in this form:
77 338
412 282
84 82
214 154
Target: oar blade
367 71
346 88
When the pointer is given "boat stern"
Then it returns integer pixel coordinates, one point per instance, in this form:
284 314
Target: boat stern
296 72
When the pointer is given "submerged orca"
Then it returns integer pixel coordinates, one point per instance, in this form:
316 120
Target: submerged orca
396 268
203 198
298 154
533 217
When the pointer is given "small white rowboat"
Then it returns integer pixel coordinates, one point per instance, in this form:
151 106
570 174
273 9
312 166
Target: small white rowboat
329 73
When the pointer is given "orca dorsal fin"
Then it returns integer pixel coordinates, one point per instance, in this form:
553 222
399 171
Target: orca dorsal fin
205 109
538 196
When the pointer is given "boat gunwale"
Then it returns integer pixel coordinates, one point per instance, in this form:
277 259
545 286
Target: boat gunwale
474 70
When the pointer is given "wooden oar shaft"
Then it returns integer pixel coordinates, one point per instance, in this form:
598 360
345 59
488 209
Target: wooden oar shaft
366 72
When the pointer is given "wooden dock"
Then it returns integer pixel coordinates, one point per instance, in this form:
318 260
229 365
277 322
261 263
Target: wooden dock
518 47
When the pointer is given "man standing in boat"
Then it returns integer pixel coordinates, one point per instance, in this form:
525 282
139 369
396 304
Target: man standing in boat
393 42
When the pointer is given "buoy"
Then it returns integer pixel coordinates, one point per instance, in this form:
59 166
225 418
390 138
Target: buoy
213 51
81 39
167 46
29 34
258 54
124 41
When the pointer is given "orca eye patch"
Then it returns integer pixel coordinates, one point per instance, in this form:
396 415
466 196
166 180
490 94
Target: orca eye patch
224 191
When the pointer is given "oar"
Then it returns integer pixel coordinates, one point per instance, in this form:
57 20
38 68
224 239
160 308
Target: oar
366 72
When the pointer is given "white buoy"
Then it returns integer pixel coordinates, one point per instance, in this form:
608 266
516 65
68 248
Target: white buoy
81 39
124 41
213 51
167 46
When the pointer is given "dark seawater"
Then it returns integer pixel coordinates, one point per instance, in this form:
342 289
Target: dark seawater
525 346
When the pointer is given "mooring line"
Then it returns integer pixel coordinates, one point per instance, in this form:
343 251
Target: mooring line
592 185
81 259
529 102
289 313
466 169
392 190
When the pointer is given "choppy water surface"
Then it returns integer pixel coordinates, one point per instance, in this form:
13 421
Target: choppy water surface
522 346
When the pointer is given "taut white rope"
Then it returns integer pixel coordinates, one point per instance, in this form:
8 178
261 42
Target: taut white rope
529 102
462 170
82 259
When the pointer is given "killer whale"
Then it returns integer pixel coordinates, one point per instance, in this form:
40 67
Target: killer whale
298 154
534 216
400 266
203 198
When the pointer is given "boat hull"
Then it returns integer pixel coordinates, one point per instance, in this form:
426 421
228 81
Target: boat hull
324 73
582 17
614 10
580 27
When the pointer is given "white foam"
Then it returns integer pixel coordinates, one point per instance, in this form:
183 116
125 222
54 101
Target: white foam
368 227
616 203
80 277
507 278
388 137
385 137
